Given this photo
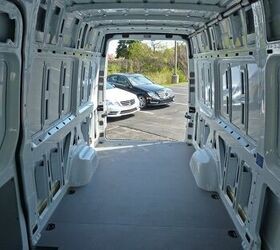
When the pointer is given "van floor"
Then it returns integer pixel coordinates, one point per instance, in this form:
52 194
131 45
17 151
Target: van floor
142 196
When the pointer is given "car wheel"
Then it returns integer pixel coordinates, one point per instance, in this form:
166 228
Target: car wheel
142 101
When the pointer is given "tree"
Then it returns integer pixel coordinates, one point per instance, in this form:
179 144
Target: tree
183 58
122 50
156 45
157 64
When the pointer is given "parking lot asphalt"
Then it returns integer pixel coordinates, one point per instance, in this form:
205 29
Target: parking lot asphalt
153 123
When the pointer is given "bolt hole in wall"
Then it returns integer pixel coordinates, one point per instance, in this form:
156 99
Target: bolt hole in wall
146 90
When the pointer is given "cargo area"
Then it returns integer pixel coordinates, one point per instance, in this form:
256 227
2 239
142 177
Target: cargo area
142 196
212 180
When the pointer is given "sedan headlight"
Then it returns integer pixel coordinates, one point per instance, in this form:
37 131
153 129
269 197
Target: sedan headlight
169 92
153 95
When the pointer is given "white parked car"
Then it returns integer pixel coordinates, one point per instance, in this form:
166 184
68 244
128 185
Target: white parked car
120 102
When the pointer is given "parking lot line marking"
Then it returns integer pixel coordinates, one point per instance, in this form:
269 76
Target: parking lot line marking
179 103
179 93
147 112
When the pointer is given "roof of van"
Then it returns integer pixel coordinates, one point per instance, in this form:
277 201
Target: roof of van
176 16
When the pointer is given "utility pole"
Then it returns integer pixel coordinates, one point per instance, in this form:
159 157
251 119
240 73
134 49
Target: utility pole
175 58
175 76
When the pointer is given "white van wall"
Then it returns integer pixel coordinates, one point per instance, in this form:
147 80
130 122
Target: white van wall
60 92
237 117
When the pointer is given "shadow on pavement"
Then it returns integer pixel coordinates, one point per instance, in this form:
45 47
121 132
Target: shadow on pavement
116 119
164 106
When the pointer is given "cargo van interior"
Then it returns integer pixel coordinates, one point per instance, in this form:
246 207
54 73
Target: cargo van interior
63 185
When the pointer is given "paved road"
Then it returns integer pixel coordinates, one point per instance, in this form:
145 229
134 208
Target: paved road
153 123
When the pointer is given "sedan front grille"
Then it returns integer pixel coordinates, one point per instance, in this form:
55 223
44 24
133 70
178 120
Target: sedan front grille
128 102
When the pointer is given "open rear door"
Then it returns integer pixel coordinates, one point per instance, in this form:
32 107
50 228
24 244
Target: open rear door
190 113
13 227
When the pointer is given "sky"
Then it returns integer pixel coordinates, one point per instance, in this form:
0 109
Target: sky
114 44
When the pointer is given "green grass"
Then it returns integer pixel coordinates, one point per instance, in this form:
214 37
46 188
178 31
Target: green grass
163 76
181 84
160 76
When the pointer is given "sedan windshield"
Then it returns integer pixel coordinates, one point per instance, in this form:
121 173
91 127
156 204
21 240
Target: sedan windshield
139 80
109 86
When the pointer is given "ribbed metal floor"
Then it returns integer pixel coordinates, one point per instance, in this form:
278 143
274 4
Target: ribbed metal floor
143 196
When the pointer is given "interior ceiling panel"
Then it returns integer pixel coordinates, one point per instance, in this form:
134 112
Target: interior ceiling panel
190 14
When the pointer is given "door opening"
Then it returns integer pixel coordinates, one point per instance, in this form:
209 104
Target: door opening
146 90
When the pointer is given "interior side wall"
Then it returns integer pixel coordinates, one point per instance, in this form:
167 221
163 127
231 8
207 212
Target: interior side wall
60 106
13 233
237 116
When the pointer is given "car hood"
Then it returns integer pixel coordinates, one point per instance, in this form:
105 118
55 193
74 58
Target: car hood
118 95
149 87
